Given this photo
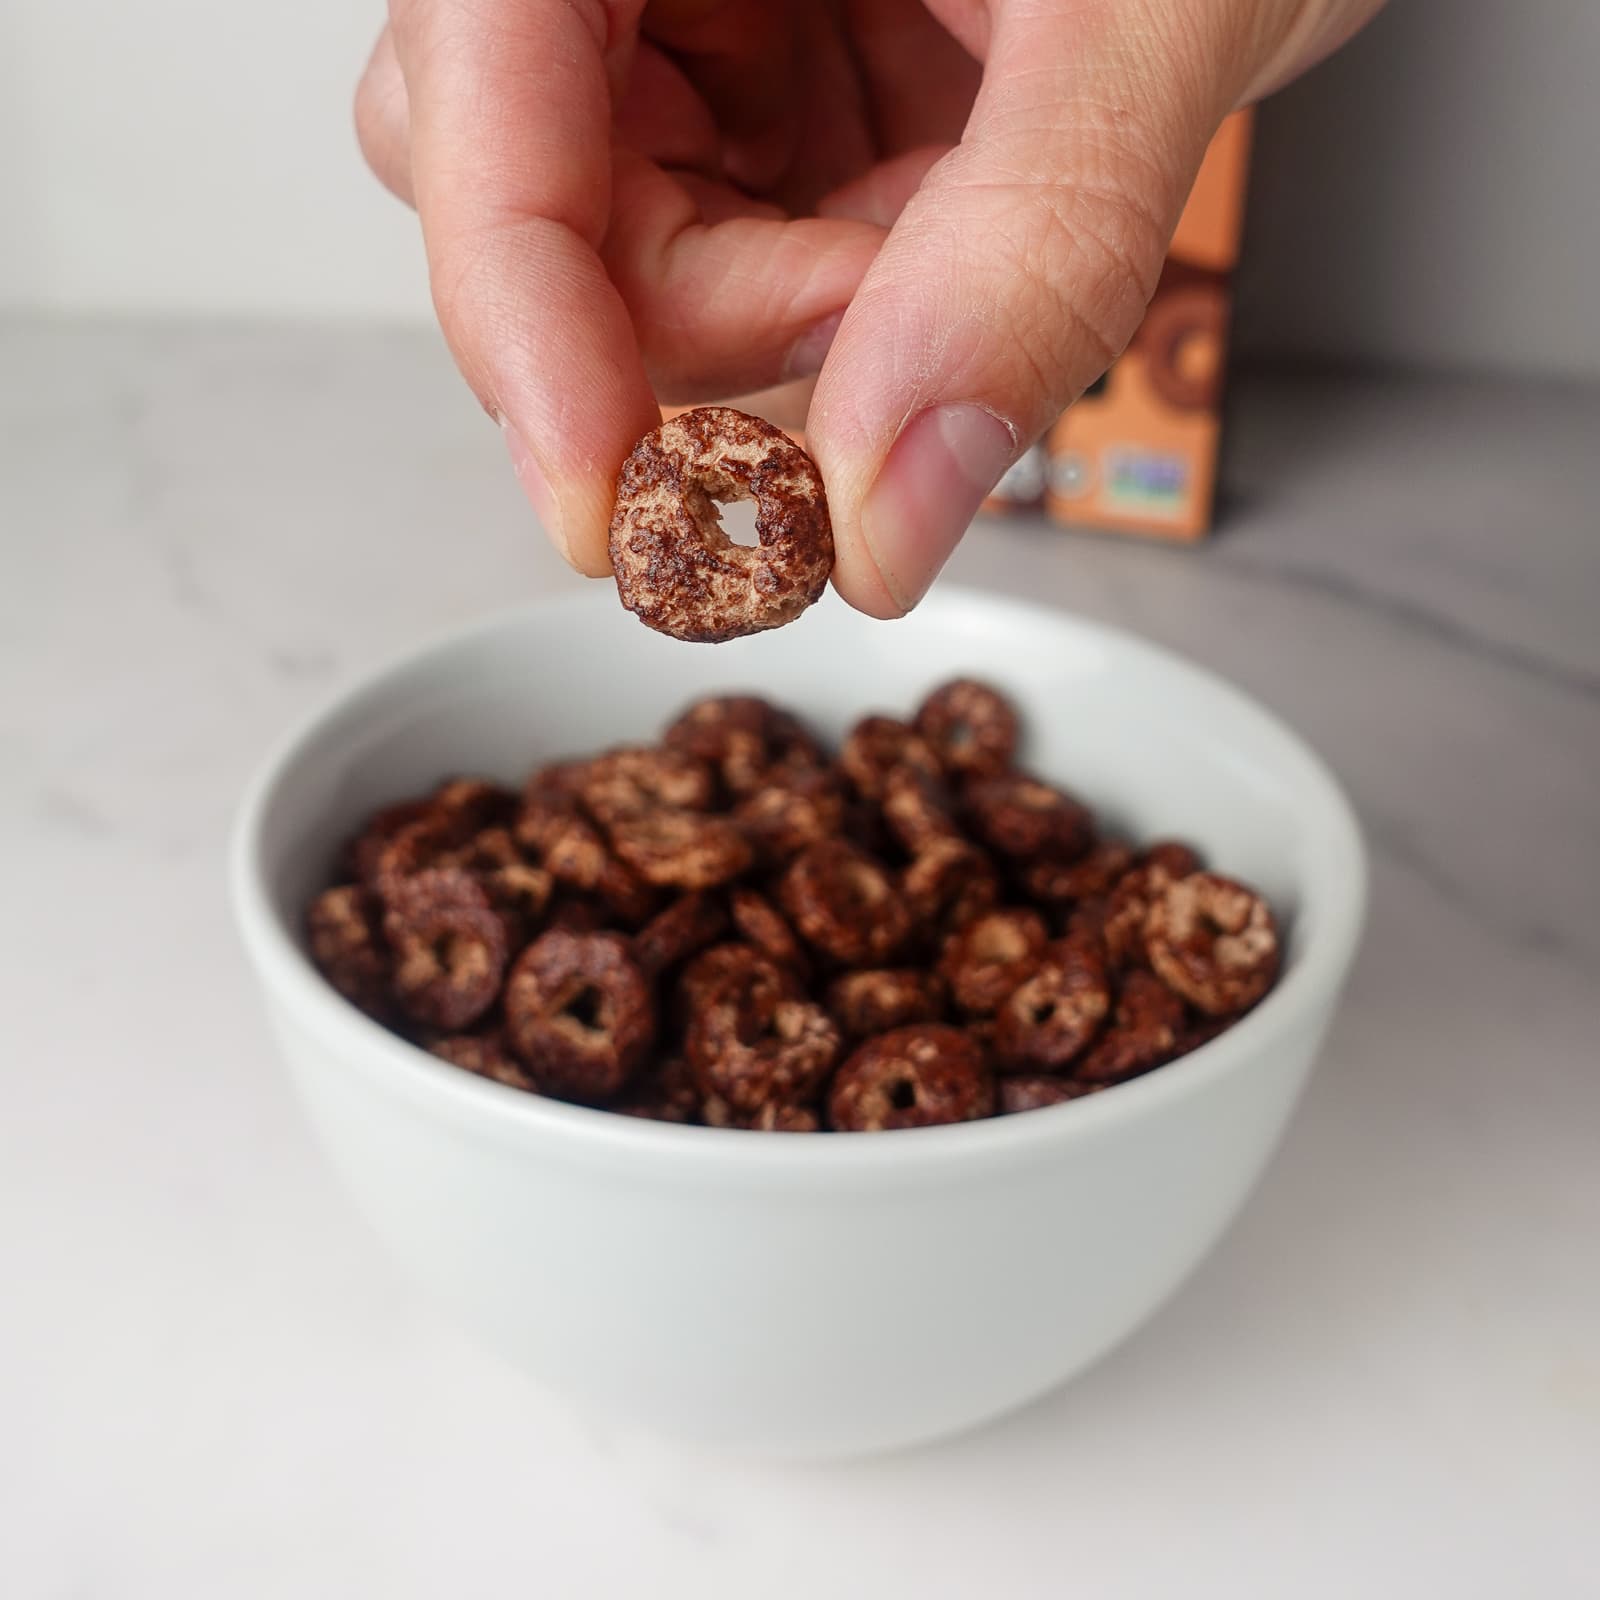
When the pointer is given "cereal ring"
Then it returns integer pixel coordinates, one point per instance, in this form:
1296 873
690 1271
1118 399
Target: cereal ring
914 1077
875 747
1142 1034
844 904
1055 882
723 965
752 1046
689 924
566 842
918 810
677 569
556 780
972 728
629 899
680 849
1032 1092
988 958
518 889
1051 1016
361 859
746 741
634 779
1213 941
1131 896
864 1003
789 812
664 1093
949 884
450 947
1020 816
483 1054
762 925
473 803
579 1014
345 934
773 1117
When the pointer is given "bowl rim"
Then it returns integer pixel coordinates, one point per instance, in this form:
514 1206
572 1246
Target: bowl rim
285 971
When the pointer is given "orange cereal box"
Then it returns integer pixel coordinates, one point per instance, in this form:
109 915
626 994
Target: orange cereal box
1138 453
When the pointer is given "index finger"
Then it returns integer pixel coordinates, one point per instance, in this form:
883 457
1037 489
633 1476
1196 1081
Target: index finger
510 164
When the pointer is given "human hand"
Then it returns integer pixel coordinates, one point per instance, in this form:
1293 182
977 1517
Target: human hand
955 209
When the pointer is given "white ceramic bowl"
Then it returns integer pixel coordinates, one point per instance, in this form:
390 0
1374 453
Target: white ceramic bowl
818 1295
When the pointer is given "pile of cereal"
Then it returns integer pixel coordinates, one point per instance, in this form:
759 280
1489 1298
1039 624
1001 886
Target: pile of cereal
731 928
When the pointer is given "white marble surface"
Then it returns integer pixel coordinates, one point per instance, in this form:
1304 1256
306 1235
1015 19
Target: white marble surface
1387 1381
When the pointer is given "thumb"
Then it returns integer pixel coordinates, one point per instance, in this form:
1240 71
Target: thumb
1016 273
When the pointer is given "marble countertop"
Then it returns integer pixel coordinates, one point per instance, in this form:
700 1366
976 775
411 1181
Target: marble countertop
1386 1381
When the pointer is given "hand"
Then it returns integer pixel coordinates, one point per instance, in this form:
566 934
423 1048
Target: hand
956 210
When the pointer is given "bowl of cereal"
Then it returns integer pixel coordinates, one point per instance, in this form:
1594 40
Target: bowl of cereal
806 1046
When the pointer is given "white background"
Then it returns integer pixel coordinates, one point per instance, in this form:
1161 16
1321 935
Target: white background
1428 198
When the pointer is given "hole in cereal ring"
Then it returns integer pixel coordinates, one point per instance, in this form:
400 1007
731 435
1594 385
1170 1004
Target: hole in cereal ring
587 1008
738 518
678 567
902 1094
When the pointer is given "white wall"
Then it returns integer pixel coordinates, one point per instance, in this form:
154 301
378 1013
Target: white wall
194 156
1432 196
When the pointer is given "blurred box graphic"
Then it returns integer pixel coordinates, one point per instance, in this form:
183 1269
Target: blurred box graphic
1138 452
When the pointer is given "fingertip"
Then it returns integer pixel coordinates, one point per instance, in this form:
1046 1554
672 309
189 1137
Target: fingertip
572 520
586 526
859 583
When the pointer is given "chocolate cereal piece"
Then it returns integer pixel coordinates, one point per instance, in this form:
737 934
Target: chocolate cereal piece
485 1055
913 1077
949 884
877 746
1143 1032
1051 1016
918 810
679 849
450 946
1213 941
844 904
677 570
774 1117
971 727
1057 882
1128 904
747 741
991 956
864 1003
752 1045
763 925
1033 1091
689 924
344 929
1020 816
666 1092
788 811
579 1014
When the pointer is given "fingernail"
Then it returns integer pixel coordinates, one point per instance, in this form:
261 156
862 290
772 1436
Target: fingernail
939 470
535 487
810 350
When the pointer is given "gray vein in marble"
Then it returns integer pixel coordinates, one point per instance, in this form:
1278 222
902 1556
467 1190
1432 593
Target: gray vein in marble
72 812
1397 843
1448 631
